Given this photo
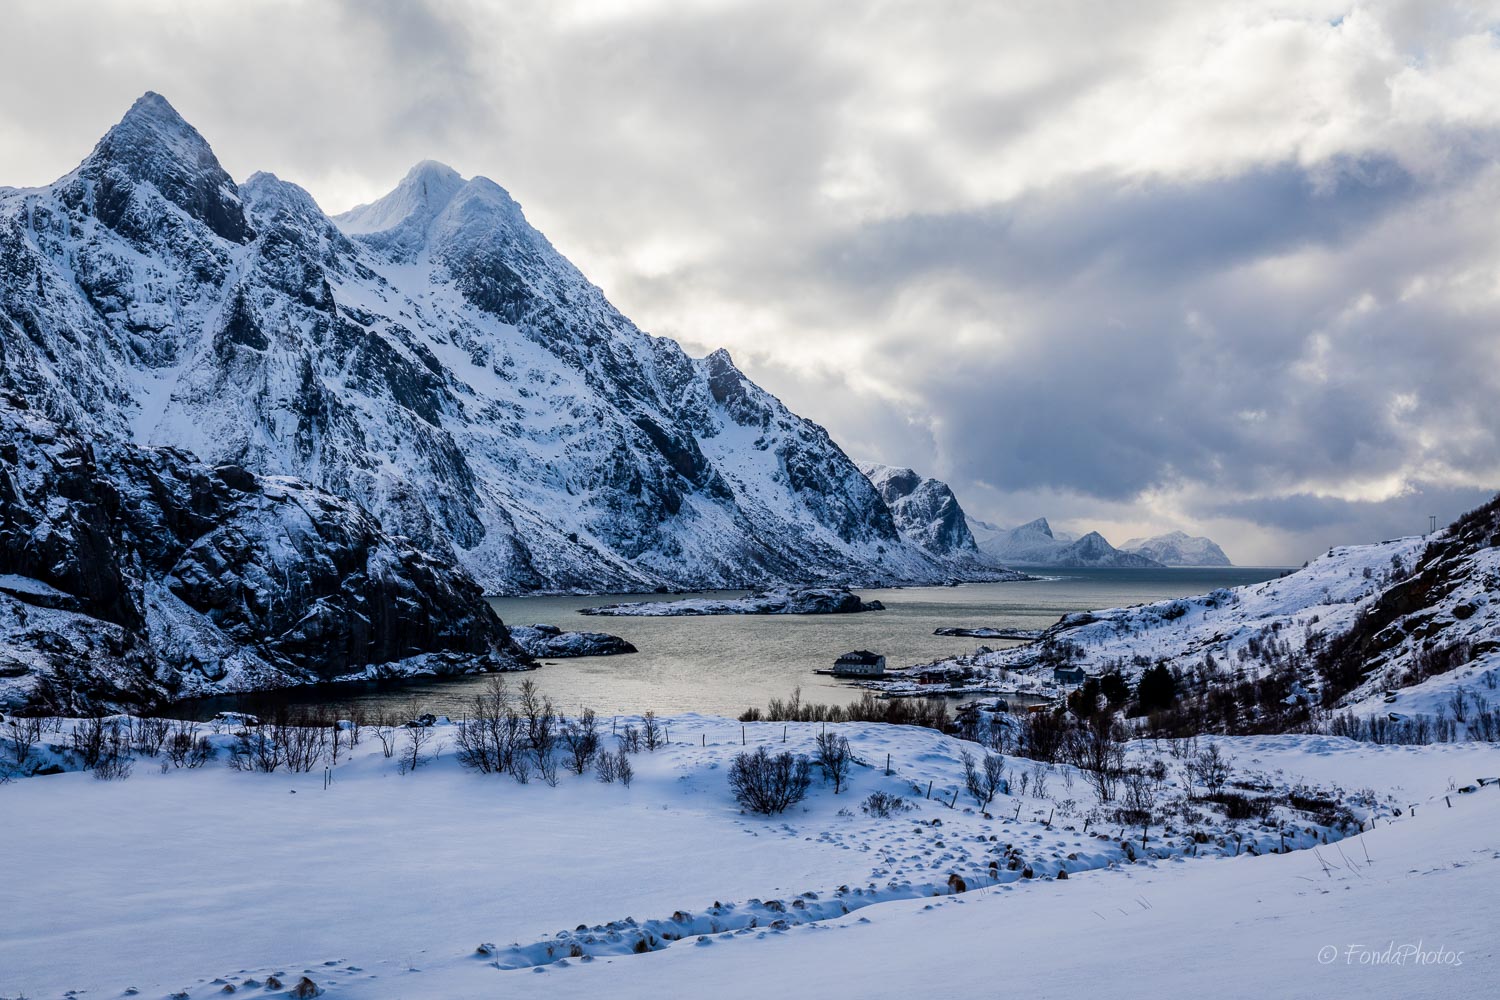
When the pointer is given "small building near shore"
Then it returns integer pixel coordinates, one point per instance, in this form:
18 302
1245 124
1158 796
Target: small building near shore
1068 675
860 663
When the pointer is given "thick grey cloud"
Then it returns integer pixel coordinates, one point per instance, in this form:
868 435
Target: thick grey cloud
1221 266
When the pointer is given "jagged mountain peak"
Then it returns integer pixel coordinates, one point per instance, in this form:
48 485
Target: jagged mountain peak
155 145
264 194
420 196
1038 526
926 510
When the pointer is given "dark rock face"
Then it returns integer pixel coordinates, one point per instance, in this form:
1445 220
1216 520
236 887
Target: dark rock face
152 144
925 510
139 574
551 642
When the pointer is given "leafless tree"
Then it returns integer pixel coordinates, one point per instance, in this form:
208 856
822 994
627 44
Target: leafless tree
983 783
630 739
24 734
581 738
651 731
604 767
385 732
835 758
1096 749
414 749
623 770
1210 768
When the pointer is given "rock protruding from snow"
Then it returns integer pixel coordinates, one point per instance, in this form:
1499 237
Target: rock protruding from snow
146 576
1178 548
806 601
551 642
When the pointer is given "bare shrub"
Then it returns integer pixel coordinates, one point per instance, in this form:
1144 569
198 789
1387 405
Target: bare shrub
651 731
623 769
580 738
605 769
24 734
414 751
629 739
983 783
1210 769
835 757
883 805
769 784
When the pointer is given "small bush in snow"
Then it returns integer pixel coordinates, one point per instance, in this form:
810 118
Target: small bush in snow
883 805
623 768
630 739
580 738
605 768
769 784
24 734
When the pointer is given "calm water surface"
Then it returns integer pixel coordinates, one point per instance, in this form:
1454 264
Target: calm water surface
723 664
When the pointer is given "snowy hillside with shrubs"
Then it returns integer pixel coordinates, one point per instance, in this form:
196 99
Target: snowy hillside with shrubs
784 840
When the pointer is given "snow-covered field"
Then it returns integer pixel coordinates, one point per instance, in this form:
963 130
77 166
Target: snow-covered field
384 883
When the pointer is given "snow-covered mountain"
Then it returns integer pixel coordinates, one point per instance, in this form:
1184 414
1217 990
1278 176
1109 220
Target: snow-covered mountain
1178 548
1034 544
926 511
130 575
430 357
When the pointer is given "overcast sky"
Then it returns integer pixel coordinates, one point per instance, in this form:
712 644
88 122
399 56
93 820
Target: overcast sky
1133 266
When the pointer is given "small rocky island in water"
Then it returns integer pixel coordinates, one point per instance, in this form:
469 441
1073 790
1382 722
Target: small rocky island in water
803 601
1028 634
551 642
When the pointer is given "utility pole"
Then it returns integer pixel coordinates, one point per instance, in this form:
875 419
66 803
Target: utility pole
1431 523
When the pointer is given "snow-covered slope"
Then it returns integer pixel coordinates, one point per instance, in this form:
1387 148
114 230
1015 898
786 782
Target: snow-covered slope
429 356
138 575
1034 544
1178 548
667 887
1408 626
926 512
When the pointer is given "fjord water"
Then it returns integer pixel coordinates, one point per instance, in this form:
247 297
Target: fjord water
724 664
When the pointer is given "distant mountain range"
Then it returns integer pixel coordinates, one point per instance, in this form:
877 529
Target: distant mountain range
1036 544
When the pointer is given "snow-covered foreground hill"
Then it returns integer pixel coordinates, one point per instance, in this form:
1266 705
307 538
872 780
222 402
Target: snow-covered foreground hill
1406 629
384 882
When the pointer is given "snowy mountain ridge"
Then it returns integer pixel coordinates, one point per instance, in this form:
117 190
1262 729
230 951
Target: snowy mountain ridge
1035 544
1178 548
430 357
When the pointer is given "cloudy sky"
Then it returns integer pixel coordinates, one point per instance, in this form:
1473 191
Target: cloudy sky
1228 267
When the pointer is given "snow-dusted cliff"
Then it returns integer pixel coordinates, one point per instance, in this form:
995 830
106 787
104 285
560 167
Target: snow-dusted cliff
430 357
129 576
